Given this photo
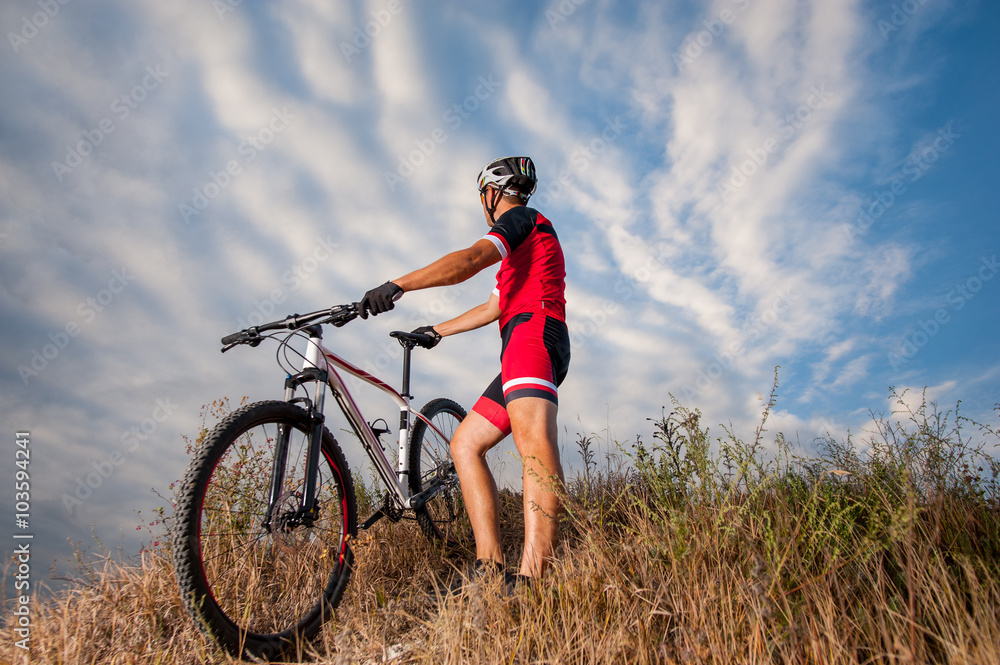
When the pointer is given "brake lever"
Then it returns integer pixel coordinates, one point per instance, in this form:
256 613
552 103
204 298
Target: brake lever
345 315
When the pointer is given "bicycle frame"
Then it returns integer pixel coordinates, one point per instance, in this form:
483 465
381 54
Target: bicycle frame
323 367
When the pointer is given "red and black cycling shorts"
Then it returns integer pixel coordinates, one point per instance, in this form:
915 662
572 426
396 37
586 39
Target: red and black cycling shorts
533 362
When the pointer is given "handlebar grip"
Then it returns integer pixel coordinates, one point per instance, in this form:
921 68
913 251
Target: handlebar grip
232 339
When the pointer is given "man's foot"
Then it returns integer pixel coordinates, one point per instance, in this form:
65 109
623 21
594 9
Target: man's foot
514 582
481 570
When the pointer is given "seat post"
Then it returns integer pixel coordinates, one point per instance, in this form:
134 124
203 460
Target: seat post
407 348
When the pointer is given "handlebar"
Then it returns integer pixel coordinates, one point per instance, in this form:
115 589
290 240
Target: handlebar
337 315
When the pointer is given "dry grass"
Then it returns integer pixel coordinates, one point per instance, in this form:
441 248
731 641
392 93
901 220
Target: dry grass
686 549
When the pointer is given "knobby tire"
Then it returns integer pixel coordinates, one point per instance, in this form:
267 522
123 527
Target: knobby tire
261 592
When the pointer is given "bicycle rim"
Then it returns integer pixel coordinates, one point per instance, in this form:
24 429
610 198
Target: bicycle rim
259 580
443 517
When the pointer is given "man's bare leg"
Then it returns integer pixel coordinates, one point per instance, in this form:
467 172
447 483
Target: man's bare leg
533 420
474 437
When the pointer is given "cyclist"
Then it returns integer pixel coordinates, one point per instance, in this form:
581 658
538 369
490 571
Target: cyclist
530 304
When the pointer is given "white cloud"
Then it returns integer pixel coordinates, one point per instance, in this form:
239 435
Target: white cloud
326 47
853 372
532 106
647 263
405 85
883 273
833 353
220 52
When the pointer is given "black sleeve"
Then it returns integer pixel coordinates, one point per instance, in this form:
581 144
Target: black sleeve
515 225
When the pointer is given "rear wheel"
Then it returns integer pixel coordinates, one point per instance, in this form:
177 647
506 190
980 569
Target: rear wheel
443 517
260 580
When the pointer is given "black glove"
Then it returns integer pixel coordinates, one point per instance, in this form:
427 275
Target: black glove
430 332
380 299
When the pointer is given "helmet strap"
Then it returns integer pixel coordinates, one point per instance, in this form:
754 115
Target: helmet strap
492 201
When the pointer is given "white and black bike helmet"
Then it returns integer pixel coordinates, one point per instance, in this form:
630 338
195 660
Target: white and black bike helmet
512 176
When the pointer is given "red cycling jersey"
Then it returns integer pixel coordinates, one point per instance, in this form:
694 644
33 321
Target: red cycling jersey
532 274
531 285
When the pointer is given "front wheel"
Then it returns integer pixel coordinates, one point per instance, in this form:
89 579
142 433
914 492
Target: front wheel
259 576
443 517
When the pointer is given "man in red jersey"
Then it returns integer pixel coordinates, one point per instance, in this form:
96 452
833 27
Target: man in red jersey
530 304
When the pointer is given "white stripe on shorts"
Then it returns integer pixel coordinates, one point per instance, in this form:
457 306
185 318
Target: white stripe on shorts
513 383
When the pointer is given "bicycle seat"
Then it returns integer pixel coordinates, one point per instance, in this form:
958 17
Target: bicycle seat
412 339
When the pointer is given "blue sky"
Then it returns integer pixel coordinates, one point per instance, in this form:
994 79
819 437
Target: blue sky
737 184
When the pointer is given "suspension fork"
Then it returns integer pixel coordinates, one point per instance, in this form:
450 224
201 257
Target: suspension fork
307 510
277 473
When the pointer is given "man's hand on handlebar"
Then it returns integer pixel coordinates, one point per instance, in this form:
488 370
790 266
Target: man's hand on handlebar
380 299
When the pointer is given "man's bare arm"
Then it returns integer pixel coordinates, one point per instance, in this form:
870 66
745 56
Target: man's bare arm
452 268
477 317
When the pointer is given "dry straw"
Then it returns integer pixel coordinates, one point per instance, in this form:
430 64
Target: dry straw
681 549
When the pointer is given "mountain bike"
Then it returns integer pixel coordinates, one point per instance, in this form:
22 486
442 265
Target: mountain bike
267 508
